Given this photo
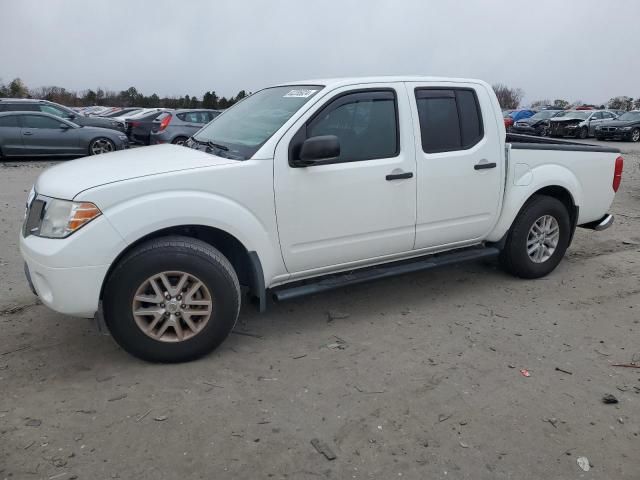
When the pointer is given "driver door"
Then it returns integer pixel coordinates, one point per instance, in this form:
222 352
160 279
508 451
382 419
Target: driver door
44 135
363 204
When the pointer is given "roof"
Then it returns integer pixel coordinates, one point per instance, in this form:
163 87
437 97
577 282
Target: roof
26 100
344 81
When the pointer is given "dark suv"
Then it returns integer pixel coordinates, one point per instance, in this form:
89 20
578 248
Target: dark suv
33 105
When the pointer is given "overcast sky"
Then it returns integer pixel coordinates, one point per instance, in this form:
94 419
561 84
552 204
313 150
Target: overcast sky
573 49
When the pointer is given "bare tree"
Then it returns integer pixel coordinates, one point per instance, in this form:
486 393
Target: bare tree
561 104
620 103
540 103
509 98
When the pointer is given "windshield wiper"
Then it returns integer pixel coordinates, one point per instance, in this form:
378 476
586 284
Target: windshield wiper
211 144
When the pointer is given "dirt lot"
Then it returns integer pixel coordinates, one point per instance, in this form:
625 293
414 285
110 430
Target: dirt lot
419 377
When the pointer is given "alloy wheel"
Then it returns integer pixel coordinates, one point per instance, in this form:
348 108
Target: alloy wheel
543 238
172 306
101 145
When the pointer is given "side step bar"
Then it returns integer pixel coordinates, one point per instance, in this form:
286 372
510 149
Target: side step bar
353 277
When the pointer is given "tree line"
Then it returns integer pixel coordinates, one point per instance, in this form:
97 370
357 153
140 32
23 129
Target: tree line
125 98
511 99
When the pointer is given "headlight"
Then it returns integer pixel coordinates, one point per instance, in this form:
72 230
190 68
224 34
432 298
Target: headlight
58 218
122 137
626 129
598 127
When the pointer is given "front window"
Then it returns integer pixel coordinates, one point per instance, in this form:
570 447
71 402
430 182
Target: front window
629 117
58 112
240 131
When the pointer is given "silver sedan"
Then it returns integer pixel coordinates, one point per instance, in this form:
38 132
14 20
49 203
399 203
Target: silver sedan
32 134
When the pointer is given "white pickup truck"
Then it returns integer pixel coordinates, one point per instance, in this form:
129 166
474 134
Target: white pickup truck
298 189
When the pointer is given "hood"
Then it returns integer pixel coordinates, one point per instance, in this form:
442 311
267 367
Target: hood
68 179
568 118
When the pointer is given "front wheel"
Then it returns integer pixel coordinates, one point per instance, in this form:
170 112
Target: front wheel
538 238
584 133
635 135
172 299
101 145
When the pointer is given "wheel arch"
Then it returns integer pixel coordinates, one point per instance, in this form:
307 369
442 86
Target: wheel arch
246 264
567 193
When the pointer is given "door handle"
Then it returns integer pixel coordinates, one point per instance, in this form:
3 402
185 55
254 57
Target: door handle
484 165
399 176
27 133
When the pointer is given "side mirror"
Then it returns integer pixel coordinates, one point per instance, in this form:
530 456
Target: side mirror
65 126
319 150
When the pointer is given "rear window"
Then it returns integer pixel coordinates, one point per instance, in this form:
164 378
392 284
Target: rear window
450 119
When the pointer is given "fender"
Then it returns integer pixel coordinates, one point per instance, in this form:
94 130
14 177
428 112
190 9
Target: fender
182 207
522 188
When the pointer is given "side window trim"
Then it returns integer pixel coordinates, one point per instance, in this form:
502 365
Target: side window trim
450 92
366 93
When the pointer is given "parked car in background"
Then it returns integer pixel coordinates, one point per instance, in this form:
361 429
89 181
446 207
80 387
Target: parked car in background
625 127
515 116
34 133
33 105
537 124
119 112
138 127
177 126
578 123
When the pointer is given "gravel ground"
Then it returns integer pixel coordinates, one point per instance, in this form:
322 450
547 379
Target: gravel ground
414 377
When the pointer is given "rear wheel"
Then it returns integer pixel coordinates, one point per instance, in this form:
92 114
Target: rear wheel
101 145
538 238
172 299
635 135
179 140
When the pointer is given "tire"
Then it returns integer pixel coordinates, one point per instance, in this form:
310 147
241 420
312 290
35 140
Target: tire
179 140
635 135
515 258
584 133
172 257
101 145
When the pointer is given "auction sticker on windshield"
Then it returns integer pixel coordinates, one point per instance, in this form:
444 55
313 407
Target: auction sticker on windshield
300 93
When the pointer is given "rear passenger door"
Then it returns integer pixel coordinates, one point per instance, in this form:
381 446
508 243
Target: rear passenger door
459 163
10 136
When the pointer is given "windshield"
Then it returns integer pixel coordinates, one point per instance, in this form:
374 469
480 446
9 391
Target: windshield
629 116
575 114
245 127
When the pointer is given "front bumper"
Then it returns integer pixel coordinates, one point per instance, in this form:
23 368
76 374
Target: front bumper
528 130
67 274
613 135
72 291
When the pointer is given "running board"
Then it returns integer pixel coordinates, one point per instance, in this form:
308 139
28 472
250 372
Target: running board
353 277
